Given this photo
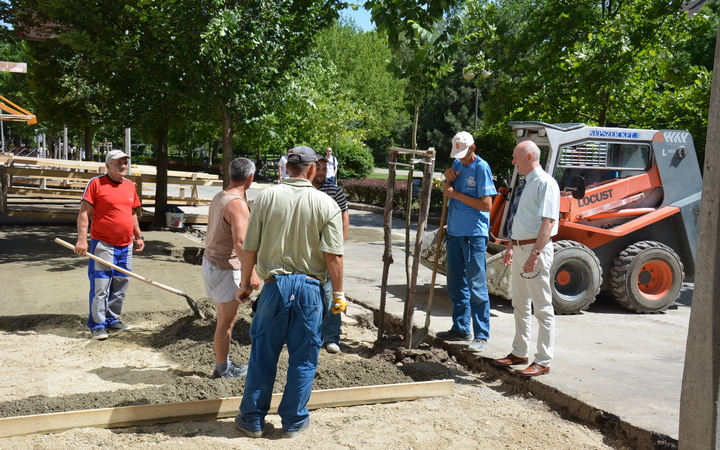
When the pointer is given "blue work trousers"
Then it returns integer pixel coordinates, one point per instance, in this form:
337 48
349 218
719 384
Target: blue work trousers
288 310
331 323
467 285
107 285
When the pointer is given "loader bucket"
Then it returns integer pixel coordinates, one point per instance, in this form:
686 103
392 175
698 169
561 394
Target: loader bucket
498 275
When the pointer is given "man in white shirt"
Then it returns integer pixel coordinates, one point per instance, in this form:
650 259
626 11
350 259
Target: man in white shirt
537 206
282 171
332 166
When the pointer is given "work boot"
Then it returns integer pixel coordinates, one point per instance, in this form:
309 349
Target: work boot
291 434
240 425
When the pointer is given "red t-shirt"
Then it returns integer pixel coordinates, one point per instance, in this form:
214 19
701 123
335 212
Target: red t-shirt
113 204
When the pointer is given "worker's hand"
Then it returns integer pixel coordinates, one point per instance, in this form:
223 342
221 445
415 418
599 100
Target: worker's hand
139 245
81 247
450 175
339 302
243 294
507 256
254 281
448 191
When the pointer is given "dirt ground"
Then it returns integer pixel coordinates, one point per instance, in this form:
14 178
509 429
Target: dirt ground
48 364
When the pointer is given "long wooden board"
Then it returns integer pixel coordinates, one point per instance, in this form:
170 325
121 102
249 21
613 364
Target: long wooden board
95 166
126 416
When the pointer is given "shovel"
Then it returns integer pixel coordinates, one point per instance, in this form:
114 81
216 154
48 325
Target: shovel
420 335
191 302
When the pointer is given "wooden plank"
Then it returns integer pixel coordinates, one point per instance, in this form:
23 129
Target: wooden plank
137 169
126 416
31 172
31 192
40 214
404 151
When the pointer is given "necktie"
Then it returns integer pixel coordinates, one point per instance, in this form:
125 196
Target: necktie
514 208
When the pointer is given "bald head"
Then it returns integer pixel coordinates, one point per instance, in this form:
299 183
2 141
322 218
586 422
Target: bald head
526 157
529 147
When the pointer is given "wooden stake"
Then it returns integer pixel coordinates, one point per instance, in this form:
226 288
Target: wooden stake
387 231
425 191
126 416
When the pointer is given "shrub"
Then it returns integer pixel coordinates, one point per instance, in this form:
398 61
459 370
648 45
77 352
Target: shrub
355 161
373 192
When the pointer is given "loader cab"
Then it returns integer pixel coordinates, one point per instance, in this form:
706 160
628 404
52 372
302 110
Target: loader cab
600 162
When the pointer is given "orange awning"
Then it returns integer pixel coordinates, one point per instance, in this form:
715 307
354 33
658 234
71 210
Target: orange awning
13 112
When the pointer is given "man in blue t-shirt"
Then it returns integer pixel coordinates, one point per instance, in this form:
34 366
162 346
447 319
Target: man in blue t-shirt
470 191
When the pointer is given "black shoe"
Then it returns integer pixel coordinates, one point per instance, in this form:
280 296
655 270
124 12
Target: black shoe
453 336
292 434
240 425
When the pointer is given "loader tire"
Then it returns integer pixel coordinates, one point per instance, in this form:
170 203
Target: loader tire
646 277
576 275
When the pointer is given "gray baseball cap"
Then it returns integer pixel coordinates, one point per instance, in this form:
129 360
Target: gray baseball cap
302 154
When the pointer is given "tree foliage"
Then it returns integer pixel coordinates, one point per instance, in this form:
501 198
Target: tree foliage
361 61
422 35
605 63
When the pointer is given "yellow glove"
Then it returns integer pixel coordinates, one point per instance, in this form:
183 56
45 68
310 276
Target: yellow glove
339 302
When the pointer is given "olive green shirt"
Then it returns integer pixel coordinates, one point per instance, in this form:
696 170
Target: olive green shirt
291 226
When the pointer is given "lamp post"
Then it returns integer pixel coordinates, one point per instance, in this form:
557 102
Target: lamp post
470 76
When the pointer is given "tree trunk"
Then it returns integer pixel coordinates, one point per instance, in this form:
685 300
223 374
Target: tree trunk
215 150
88 143
604 102
161 182
227 144
416 116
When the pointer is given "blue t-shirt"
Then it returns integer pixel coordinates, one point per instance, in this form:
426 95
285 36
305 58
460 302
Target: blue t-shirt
476 181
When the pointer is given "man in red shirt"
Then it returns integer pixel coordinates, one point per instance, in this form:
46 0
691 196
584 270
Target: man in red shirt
113 204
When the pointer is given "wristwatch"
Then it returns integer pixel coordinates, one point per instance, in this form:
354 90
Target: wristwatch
139 238
535 252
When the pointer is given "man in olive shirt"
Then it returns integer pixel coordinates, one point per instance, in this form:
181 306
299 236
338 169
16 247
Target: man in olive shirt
294 239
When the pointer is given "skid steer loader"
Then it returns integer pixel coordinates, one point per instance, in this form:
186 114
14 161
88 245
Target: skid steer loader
629 210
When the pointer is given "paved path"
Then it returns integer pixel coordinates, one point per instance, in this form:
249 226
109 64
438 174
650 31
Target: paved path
629 365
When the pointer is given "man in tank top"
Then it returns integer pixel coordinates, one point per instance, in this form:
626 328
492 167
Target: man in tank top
227 223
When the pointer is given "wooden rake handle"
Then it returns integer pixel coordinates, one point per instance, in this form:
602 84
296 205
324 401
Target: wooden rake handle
121 270
438 245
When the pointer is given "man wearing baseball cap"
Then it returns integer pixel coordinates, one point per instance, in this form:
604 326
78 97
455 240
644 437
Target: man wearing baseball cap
294 240
112 202
470 191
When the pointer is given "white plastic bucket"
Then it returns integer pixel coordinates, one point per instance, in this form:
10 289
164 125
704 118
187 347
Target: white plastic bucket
174 220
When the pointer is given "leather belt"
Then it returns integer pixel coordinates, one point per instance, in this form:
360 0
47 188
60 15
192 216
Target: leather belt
524 242
272 279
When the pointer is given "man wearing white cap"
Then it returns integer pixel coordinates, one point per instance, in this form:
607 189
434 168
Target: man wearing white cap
113 204
470 191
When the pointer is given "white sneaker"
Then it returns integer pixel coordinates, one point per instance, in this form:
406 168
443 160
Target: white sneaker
477 345
332 347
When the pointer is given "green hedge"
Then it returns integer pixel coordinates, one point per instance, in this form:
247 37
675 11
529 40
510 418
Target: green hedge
373 192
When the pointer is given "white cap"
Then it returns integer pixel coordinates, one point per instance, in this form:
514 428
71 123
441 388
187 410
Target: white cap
115 154
460 144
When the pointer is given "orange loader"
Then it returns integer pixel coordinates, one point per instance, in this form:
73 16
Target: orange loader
629 213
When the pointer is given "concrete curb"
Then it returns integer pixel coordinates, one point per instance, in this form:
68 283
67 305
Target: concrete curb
609 424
